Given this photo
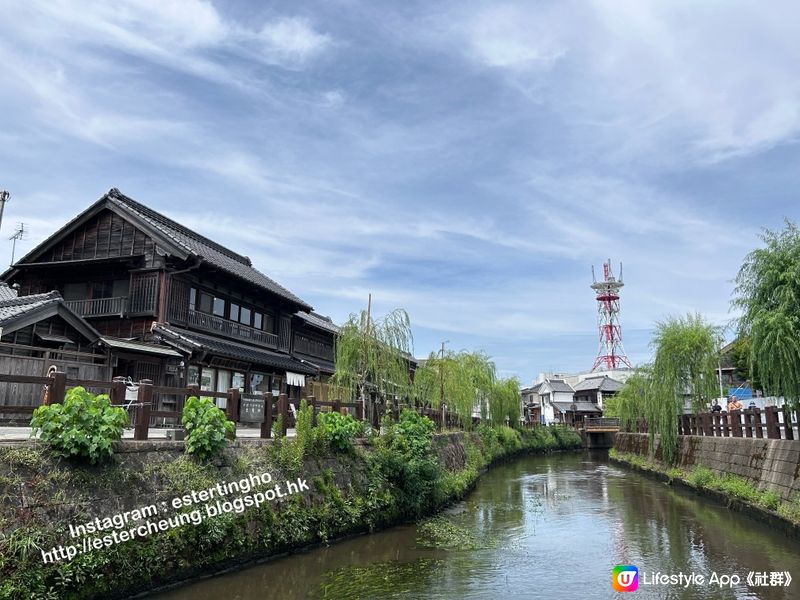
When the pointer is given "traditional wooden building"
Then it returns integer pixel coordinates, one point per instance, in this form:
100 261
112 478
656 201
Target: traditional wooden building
39 332
173 306
596 389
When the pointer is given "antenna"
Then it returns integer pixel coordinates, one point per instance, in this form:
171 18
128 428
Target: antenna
611 354
19 235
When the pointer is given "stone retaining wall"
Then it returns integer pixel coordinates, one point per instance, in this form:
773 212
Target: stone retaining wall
769 464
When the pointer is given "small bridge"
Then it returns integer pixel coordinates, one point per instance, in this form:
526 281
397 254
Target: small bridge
598 432
601 424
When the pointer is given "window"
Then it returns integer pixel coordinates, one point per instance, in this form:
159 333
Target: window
120 288
75 291
193 376
238 381
234 314
102 289
193 299
223 385
219 307
258 320
245 316
206 300
269 323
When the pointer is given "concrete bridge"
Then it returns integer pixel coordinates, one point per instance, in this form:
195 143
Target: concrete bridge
599 432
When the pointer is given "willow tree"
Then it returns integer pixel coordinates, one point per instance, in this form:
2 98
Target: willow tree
505 403
460 380
685 366
628 402
372 355
768 294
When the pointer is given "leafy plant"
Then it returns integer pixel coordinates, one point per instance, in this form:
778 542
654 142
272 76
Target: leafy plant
687 352
767 292
462 379
207 429
339 430
84 427
372 354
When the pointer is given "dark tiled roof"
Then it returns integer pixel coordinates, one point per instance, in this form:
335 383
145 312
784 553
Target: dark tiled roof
579 406
559 385
13 308
233 350
198 245
7 292
603 383
319 321
322 365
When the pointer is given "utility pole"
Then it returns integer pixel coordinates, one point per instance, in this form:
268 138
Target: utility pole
4 197
19 234
441 373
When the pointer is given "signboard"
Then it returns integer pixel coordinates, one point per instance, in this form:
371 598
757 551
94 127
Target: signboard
251 410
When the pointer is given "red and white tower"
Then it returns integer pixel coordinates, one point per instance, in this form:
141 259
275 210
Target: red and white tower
611 354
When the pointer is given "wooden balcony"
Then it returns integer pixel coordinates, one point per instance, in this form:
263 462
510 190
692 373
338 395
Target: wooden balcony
99 307
203 321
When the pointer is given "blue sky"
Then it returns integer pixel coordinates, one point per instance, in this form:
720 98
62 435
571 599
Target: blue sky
466 161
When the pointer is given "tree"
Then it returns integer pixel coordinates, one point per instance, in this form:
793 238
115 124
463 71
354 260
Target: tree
505 403
768 294
461 380
685 365
372 355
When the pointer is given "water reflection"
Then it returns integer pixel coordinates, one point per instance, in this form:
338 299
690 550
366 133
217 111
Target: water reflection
558 525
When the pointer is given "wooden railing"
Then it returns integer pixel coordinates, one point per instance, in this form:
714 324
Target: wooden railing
99 307
601 424
229 328
770 423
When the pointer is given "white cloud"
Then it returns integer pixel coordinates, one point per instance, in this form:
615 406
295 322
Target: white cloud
292 42
511 36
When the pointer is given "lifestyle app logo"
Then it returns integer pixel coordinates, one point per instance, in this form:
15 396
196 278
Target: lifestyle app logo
625 578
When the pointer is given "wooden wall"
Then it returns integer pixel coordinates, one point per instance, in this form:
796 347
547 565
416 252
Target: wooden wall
107 235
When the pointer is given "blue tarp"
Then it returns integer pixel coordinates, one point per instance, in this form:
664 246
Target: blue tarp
742 393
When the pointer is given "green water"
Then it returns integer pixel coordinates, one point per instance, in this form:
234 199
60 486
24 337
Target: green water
540 527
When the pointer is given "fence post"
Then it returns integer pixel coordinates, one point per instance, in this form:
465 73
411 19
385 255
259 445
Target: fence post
312 402
266 425
736 423
58 389
145 401
757 422
232 405
283 411
359 411
337 406
118 389
771 414
726 424
787 422
748 426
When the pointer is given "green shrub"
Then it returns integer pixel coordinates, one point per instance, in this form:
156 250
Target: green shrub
566 437
305 435
84 427
206 427
701 477
404 459
509 439
339 430
770 500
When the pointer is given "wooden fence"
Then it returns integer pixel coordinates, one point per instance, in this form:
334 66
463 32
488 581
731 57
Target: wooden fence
770 423
153 404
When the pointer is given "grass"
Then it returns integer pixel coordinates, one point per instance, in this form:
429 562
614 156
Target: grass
701 477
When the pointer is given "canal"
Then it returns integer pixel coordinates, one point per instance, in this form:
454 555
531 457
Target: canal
539 527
